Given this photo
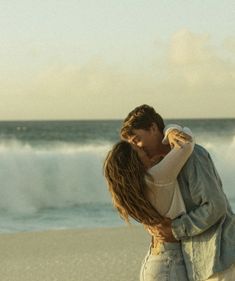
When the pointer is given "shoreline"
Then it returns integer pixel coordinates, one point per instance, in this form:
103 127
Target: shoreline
103 254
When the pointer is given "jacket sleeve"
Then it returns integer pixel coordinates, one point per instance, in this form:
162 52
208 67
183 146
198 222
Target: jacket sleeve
206 190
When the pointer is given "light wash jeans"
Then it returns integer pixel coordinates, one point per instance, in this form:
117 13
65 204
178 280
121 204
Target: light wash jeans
168 265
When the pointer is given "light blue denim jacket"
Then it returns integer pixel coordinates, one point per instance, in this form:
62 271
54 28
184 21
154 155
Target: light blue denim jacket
207 230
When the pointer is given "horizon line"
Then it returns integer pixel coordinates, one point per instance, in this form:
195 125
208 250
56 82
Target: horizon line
112 119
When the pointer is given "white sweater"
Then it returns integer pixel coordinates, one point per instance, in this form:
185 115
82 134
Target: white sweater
164 192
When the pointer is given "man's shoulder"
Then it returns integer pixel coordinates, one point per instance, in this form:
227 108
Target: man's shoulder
200 154
198 161
200 150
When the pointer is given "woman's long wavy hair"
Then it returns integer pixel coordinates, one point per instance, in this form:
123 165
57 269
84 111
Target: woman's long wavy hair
125 175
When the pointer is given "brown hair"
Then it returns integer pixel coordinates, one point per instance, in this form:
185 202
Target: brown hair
125 175
142 117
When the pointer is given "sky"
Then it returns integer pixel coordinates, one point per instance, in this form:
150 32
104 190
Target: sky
99 59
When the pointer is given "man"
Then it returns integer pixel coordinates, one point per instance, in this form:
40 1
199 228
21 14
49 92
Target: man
207 230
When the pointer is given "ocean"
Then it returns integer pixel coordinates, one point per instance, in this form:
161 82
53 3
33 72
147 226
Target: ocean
51 171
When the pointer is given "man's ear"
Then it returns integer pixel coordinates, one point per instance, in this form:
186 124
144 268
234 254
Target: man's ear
154 127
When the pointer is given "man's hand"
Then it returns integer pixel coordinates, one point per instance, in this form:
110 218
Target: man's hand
162 231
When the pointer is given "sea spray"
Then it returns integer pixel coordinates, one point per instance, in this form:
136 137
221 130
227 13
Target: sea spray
67 175
51 172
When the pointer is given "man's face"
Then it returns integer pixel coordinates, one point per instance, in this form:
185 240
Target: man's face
150 140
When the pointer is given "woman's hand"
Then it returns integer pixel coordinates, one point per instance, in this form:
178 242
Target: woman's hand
178 138
162 231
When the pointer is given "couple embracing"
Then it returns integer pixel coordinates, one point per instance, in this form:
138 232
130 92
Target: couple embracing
158 176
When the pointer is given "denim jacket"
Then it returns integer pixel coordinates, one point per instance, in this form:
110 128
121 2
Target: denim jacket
207 230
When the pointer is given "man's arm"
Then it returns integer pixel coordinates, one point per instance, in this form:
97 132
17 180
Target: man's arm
205 187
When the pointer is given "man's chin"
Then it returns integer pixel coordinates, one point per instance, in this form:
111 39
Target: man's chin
152 153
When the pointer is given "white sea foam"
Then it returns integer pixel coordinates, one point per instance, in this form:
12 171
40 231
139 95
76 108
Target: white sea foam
223 154
65 175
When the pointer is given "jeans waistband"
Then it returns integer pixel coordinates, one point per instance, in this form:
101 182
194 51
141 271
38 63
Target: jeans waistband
169 246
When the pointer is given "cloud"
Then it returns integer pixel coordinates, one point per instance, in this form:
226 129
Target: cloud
83 91
193 63
229 44
192 75
187 48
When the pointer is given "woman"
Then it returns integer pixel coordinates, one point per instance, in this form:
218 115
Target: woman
151 196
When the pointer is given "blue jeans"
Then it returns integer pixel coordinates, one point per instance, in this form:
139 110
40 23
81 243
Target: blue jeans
168 265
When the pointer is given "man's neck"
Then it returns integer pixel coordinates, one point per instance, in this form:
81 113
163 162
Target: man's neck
165 150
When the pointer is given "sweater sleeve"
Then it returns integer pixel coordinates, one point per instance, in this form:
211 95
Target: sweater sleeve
171 127
168 168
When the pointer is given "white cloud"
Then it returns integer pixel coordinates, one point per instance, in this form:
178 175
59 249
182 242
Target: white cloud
229 44
192 76
188 48
195 64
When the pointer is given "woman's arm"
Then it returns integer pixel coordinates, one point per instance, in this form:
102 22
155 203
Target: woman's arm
168 169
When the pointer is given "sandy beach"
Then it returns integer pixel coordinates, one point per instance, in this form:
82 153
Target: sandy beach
106 254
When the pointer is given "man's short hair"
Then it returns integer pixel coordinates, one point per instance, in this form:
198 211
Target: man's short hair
142 117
